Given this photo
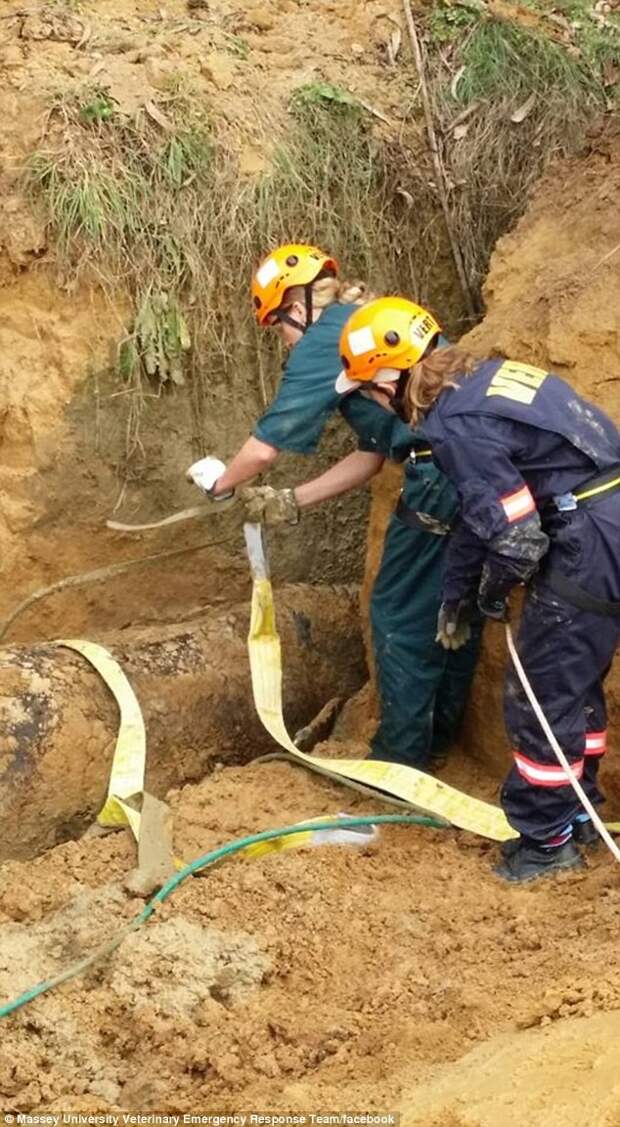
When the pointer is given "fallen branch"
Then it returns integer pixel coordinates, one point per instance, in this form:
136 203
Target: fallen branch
374 111
605 258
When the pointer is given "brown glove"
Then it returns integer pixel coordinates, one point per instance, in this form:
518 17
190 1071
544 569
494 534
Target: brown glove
264 505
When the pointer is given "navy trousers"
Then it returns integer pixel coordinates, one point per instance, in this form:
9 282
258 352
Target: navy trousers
566 653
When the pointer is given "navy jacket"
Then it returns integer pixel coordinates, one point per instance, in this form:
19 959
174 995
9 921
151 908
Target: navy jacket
511 437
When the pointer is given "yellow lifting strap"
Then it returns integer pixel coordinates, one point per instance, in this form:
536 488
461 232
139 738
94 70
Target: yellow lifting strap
416 788
126 785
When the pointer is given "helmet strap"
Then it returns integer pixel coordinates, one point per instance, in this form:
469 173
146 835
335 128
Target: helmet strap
282 315
309 309
398 401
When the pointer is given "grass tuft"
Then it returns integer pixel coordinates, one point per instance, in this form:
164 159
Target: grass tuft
554 76
157 209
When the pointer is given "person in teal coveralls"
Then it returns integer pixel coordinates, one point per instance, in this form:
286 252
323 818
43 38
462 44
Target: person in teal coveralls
422 687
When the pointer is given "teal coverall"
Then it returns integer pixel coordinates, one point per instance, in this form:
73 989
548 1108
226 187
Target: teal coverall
422 687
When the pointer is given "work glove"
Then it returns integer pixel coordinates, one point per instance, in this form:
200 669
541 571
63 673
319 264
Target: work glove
495 586
205 473
454 624
264 505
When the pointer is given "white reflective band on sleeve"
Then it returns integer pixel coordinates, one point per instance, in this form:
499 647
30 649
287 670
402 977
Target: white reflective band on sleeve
596 743
519 504
544 774
267 272
361 340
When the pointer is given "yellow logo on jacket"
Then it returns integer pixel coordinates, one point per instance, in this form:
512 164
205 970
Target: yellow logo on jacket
519 382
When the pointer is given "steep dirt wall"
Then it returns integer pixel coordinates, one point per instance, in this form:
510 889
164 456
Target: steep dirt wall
63 415
553 299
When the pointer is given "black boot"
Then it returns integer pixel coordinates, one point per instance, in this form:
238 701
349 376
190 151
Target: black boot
507 848
528 861
585 833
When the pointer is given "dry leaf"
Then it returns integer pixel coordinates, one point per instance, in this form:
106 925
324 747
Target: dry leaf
455 81
156 115
610 73
393 45
526 108
461 131
100 65
561 21
464 115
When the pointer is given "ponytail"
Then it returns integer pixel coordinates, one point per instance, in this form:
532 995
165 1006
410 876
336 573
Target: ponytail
434 372
328 290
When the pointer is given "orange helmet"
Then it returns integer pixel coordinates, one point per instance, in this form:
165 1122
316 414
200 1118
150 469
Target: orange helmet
388 333
295 264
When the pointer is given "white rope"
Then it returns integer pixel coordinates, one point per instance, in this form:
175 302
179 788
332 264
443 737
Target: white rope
542 719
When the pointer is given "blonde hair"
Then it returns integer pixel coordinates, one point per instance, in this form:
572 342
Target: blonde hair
431 375
327 291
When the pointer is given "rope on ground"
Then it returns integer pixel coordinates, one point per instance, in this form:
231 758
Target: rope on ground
204 511
210 858
560 756
100 575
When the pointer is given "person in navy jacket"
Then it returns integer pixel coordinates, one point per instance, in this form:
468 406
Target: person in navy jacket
537 471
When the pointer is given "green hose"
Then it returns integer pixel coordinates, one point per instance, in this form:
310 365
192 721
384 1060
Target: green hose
196 866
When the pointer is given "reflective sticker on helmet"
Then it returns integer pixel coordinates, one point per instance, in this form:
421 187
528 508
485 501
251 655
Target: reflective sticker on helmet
420 327
361 340
267 272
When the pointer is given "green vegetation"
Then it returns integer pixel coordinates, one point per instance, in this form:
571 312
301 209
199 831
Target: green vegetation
154 209
512 88
320 94
447 23
503 59
236 45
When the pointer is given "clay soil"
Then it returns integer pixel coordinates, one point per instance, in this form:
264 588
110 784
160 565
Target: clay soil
401 977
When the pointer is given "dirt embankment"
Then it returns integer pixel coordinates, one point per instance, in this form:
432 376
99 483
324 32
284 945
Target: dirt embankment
63 411
553 299
402 977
